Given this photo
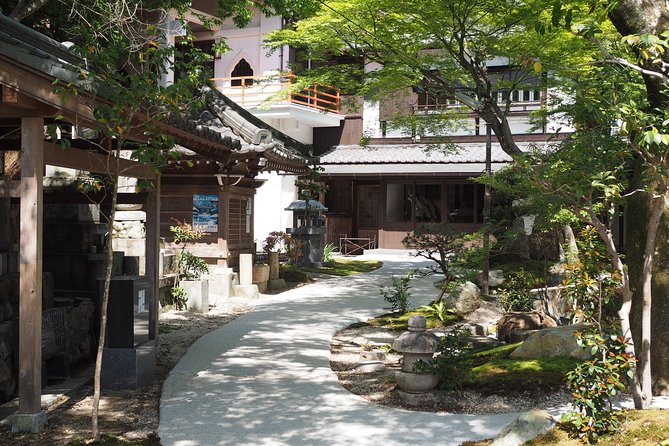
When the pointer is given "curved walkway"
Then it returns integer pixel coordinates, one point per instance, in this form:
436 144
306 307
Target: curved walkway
265 378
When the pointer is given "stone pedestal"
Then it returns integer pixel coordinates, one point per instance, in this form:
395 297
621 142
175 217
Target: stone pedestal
197 295
128 368
417 399
221 281
28 422
248 291
276 284
261 276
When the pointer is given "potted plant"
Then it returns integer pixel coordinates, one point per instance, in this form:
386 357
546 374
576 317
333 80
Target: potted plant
189 291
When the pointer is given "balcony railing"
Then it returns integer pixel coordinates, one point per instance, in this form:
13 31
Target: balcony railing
253 91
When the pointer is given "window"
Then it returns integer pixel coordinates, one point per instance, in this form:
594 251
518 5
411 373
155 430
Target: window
189 51
465 203
239 231
368 207
398 203
242 69
428 203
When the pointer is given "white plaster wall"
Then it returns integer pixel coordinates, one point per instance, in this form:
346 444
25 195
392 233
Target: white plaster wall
370 120
247 43
270 200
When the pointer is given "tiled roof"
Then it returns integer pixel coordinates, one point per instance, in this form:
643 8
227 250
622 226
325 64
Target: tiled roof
417 153
222 125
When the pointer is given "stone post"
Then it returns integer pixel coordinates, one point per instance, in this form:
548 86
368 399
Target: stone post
273 260
245 269
246 288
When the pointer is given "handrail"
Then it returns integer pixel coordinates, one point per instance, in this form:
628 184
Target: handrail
254 90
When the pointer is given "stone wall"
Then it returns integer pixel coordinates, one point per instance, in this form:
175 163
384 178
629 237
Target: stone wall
79 326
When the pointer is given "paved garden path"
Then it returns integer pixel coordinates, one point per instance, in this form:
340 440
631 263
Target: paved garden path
265 378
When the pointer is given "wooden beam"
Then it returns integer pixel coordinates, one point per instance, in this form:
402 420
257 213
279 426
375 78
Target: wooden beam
16 104
30 267
81 198
10 189
39 86
79 110
9 95
54 155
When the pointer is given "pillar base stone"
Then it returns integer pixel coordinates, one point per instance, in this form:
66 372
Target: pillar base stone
28 422
248 291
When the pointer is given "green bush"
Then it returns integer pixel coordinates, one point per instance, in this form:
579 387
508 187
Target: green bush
327 253
451 361
192 266
294 276
397 294
593 382
516 296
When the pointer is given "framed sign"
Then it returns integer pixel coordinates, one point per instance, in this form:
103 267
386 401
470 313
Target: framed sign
205 212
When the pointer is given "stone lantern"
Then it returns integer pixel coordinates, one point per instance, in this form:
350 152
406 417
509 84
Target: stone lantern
309 229
416 344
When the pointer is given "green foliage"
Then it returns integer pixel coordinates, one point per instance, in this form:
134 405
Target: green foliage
192 266
397 293
436 242
344 267
422 367
189 266
311 187
591 284
450 362
400 321
293 275
328 251
179 297
428 44
515 294
278 241
438 310
594 382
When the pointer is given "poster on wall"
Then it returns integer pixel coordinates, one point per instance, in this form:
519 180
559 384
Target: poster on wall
205 212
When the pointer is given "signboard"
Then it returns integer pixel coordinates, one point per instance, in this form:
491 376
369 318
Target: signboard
205 212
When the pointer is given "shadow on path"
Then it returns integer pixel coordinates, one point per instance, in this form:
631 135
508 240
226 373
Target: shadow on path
265 378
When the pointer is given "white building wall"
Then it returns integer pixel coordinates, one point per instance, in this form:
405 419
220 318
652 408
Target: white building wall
246 43
270 200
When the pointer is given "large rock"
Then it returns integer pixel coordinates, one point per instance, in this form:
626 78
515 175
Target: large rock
553 300
465 299
550 342
522 321
527 426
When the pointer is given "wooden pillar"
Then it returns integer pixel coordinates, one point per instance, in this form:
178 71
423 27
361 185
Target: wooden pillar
152 267
30 416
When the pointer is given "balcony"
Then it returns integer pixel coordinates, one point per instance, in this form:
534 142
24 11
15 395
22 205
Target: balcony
273 99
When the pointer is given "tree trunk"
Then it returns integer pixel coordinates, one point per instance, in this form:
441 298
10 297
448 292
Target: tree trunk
626 307
649 318
109 261
647 275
